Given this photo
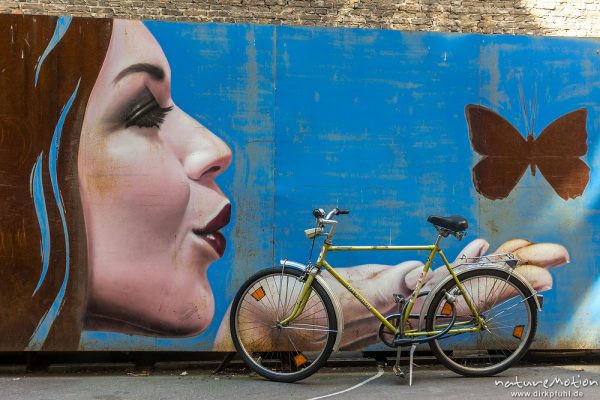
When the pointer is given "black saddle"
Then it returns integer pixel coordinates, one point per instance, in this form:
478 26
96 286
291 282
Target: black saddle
454 223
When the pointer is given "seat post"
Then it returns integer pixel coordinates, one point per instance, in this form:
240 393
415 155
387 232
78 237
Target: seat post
438 240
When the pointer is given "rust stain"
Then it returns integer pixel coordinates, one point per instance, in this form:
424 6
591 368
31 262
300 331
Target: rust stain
9 240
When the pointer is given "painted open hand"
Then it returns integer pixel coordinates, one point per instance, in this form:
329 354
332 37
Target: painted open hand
377 283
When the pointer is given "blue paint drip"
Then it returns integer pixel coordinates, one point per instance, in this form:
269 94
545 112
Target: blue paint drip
61 28
42 215
41 332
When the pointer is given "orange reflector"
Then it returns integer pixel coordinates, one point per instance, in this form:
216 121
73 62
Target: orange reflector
258 294
447 309
518 331
300 360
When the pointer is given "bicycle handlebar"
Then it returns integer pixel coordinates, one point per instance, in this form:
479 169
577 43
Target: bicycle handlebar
319 213
323 220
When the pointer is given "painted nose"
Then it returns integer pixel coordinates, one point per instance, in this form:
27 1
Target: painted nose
209 158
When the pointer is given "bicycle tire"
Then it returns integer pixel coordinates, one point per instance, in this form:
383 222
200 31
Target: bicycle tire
485 353
269 350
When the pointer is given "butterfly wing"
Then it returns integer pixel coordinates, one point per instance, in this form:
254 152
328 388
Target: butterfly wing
492 135
495 177
567 176
564 137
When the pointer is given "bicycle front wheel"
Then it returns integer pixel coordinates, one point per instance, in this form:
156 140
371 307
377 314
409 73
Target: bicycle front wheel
509 314
282 353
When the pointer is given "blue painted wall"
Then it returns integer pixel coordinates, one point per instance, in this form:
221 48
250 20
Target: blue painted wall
374 121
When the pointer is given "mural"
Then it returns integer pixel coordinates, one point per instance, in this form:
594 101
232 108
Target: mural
148 168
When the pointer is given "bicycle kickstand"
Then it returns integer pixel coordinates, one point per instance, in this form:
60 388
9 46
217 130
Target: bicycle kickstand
398 370
412 352
398 299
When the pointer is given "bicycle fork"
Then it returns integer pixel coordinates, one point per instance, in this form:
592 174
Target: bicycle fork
310 274
302 298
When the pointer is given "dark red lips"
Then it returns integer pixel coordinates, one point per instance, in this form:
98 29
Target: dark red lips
211 233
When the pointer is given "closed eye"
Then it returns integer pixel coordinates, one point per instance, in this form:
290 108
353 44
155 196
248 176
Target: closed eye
147 114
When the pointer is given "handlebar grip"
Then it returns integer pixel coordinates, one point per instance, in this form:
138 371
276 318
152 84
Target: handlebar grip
343 212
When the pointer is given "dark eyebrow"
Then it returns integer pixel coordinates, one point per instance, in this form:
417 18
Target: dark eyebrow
155 72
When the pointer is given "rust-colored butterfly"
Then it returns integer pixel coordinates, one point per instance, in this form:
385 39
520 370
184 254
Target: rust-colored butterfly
506 154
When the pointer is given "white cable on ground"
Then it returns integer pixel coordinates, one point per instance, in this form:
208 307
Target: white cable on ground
353 387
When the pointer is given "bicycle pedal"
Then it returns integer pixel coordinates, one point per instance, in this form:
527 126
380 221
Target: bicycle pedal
398 371
398 298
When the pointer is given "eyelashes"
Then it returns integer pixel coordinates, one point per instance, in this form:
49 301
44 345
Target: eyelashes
146 113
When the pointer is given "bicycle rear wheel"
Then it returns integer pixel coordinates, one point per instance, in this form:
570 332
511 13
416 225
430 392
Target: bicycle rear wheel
283 354
510 317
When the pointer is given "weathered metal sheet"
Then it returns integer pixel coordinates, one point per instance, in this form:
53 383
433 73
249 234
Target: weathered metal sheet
121 144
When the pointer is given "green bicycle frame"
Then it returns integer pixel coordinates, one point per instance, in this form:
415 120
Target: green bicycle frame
433 250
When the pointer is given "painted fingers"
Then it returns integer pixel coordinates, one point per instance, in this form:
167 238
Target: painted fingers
376 283
534 258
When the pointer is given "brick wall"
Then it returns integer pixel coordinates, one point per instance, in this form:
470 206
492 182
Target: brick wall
545 17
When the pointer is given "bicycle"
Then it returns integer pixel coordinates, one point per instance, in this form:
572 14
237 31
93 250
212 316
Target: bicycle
478 321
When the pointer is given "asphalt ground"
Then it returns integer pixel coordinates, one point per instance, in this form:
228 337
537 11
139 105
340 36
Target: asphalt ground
430 381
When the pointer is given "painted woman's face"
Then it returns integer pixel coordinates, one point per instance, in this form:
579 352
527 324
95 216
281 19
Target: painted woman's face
151 205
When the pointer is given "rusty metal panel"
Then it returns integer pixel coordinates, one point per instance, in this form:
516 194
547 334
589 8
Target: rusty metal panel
147 169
